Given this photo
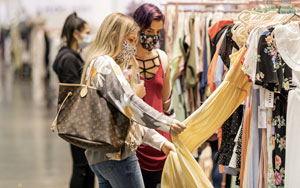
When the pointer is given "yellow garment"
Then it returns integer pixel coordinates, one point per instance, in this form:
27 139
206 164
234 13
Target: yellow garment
181 169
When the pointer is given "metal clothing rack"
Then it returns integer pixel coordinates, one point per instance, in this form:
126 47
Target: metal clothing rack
203 3
249 4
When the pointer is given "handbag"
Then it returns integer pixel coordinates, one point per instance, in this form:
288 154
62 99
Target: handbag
87 120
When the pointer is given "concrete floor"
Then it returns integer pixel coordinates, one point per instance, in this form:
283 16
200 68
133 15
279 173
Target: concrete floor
31 156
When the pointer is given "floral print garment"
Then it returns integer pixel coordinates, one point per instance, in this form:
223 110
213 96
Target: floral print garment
229 131
273 74
108 78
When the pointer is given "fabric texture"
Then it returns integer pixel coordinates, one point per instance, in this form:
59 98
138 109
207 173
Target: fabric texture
275 75
287 38
151 159
108 79
119 174
68 66
181 169
229 131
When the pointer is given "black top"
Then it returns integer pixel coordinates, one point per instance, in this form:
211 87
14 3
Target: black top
227 46
272 72
68 66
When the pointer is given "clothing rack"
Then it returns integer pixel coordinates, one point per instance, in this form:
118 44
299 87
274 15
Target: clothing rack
214 10
211 3
249 4
203 3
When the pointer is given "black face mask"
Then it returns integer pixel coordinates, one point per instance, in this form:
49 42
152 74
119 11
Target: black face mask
148 41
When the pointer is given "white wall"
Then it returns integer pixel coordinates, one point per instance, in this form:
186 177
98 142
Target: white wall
55 11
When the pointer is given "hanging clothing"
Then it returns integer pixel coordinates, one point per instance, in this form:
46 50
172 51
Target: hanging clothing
287 39
229 131
216 31
274 74
203 81
235 161
228 46
191 66
249 66
263 163
254 142
201 125
212 67
176 61
213 30
245 140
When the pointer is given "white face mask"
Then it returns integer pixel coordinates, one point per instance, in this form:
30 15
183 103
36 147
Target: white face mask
86 40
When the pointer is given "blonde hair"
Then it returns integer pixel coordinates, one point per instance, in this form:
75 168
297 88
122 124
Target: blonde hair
109 40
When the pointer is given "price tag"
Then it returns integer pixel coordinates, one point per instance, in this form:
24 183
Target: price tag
262 117
269 99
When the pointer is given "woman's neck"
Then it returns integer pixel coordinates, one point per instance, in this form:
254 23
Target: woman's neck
141 52
74 46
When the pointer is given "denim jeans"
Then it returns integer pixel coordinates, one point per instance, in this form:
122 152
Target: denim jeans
119 174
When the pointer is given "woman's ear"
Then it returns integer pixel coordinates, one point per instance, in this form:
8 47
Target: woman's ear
76 35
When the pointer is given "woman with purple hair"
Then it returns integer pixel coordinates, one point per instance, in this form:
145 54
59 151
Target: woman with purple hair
154 71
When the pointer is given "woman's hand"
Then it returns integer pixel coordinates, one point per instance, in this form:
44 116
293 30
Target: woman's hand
139 89
167 147
177 127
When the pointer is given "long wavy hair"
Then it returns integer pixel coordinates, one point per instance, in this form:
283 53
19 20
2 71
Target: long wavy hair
109 40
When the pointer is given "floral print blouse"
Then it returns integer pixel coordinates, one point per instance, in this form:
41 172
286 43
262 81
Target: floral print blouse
108 78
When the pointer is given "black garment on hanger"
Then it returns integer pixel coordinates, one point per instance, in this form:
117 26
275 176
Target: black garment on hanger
215 41
229 131
273 74
227 46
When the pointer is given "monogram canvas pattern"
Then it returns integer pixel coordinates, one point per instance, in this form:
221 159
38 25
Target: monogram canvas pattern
90 122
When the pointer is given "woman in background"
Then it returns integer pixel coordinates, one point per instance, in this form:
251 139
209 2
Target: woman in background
68 66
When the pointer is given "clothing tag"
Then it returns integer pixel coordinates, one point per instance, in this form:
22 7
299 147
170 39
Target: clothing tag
178 86
262 117
269 99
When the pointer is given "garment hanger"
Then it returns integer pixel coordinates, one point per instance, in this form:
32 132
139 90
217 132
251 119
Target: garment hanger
249 20
295 15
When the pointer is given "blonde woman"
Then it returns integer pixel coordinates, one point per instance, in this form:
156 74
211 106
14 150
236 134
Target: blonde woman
114 48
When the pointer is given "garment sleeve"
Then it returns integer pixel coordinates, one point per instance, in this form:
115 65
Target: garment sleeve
109 80
268 63
153 138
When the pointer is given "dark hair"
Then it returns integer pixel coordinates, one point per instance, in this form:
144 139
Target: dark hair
145 14
71 24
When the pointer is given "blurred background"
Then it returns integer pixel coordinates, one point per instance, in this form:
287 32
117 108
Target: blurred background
30 155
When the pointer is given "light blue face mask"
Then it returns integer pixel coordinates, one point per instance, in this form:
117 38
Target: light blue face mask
86 40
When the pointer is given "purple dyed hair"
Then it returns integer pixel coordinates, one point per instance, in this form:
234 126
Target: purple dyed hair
145 14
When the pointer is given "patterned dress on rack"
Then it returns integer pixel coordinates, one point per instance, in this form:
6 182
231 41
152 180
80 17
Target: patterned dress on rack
274 74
